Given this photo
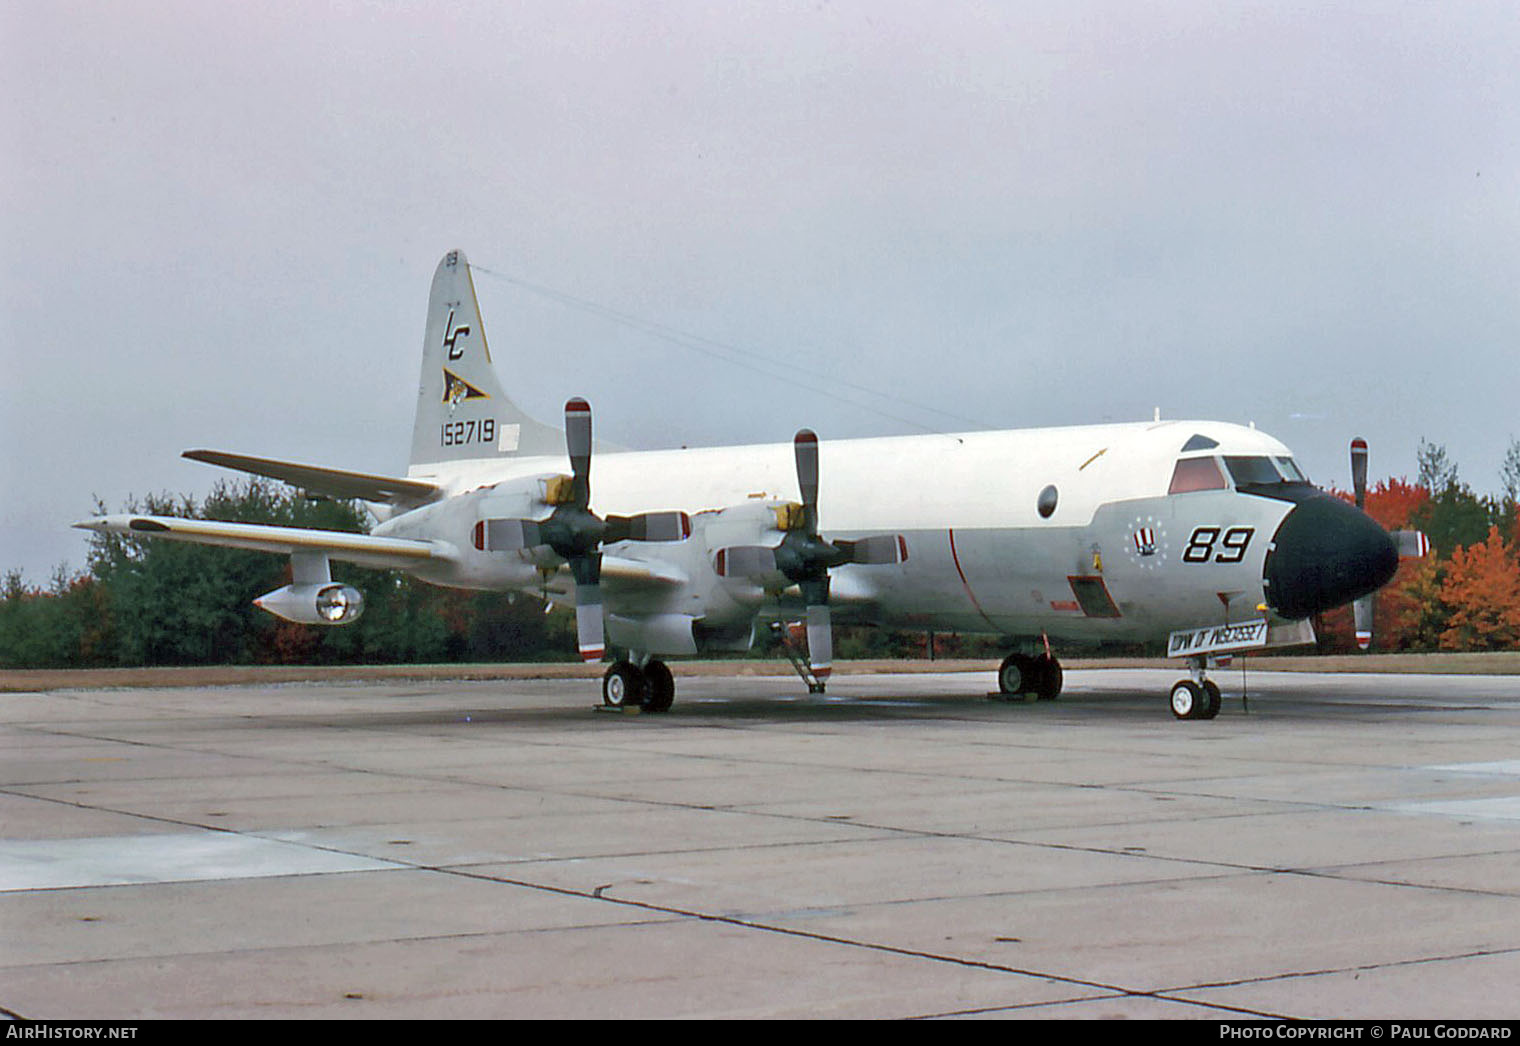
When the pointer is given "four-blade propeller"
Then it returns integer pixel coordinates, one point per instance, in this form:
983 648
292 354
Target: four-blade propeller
805 559
576 534
1410 543
1361 610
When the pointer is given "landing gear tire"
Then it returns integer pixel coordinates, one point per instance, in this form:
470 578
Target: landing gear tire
1048 677
1189 701
1017 676
1215 700
623 685
1021 674
659 687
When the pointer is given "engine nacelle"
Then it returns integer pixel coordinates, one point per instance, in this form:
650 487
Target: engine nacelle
325 603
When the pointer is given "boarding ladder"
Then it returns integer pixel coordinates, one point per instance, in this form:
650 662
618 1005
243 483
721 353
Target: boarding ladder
794 645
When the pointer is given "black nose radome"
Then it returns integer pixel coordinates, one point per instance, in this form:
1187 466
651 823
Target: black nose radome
1326 554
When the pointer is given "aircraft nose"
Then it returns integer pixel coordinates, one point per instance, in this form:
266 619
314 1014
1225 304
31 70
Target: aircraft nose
1325 554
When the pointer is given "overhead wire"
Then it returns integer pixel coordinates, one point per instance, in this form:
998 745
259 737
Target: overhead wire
737 356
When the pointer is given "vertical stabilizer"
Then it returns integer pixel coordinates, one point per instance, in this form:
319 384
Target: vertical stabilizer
462 412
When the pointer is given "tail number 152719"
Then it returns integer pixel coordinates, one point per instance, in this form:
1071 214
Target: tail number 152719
459 433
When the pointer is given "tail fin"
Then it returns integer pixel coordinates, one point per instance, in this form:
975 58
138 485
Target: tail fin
462 412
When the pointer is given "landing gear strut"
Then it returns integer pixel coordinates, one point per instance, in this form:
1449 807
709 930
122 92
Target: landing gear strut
626 685
1023 674
1196 697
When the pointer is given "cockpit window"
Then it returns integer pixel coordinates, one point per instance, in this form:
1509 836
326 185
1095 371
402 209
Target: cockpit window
1247 471
1291 470
1196 474
1199 442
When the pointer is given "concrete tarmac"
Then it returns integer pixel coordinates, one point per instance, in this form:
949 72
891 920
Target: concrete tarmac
904 847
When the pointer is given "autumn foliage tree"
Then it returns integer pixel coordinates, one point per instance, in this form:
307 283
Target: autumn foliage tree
1465 594
1393 503
1482 588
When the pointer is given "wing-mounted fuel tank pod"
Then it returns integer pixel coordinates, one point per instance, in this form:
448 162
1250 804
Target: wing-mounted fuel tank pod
313 597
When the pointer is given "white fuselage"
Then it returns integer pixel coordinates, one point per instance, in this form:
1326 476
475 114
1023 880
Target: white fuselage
1118 556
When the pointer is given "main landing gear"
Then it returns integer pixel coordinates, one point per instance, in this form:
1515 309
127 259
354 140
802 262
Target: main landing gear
1196 697
626 685
1023 674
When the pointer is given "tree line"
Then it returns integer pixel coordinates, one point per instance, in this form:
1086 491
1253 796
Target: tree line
1464 595
145 602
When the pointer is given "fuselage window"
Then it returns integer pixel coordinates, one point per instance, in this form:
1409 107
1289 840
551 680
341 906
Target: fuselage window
1252 470
1196 474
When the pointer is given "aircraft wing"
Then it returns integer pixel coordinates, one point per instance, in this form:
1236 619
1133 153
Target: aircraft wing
620 572
624 578
334 483
363 549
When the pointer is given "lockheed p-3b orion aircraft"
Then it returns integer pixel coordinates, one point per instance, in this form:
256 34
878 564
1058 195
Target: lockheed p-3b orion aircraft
1202 533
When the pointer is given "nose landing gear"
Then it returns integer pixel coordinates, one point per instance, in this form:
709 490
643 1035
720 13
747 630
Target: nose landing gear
1196 697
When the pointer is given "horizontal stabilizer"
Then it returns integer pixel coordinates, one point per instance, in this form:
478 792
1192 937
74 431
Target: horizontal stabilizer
334 483
363 549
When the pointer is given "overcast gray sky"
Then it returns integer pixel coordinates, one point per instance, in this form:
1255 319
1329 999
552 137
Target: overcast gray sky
221 221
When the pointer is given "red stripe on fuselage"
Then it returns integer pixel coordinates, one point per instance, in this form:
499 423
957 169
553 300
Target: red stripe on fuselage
956 559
